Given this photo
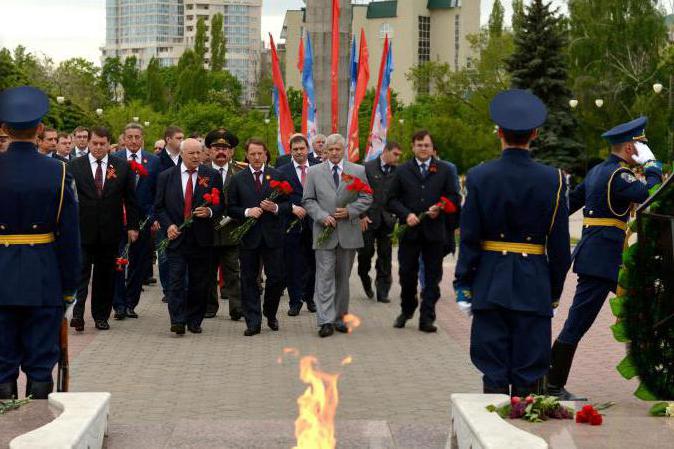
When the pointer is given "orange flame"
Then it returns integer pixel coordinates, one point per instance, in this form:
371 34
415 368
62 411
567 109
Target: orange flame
347 360
352 321
315 425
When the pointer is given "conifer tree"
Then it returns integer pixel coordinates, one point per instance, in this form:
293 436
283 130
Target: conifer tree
155 91
496 19
218 43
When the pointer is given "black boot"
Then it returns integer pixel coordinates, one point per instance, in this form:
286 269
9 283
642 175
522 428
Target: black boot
39 390
9 390
495 390
562 358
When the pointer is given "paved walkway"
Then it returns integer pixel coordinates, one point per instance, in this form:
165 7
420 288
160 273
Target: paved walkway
165 388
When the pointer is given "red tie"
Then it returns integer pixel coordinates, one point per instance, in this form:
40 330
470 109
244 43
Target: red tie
258 181
303 176
189 190
98 179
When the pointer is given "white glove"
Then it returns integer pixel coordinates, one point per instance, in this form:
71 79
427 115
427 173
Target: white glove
644 153
465 307
69 311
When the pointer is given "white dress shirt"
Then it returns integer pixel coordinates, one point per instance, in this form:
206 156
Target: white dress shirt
184 176
94 166
223 173
79 152
173 157
340 169
139 156
298 170
427 163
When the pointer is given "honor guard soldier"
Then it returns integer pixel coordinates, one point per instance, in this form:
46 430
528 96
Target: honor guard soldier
514 252
39 247
608 193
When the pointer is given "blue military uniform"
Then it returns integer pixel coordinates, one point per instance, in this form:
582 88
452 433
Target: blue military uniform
39 250
607 194
514 254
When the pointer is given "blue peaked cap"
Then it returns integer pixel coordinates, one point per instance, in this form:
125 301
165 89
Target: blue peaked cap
518 110
23 107
627 132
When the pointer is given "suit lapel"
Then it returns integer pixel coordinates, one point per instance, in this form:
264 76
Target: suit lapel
177 186
328 171
414 168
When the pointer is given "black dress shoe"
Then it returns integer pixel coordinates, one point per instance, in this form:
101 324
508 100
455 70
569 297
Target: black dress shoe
399 323
150 281
367 286
102 325
195 329
294 311
77 323
251 331
179 329
164 299
311 306
209 314
119 315
326 330
235 316
427 327
273 324
340 326
383 300
131 313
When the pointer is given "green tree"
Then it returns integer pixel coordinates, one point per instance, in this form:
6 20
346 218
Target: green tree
155 91
79 80
200 40
10 75
539 63
111 77
130 79
496 19
218 43
192 82
518 15
224 89
263 90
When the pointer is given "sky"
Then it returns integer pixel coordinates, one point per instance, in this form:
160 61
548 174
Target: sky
63 29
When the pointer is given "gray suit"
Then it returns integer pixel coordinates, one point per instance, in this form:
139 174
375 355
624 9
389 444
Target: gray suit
334 259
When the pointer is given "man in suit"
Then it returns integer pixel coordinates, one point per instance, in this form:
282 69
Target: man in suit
180 192
81 142
47 141
129 282
248 198
329 203
39 248
105 188
317 154
169 157
298 253
378 223
63 147
416 188
221 144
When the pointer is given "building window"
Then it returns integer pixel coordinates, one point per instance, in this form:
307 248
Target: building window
386 30
424 39
457 41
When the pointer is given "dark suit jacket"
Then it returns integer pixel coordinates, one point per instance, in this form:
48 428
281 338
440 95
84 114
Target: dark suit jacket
101 219
170 204
381 184
242 195
58 157
165 161
222 237
290 174
283 160
146 188
410 193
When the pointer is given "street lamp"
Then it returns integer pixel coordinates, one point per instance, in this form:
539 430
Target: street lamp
60 99
599 103
146 124
573 104
99 112
266 131
136 119
657 88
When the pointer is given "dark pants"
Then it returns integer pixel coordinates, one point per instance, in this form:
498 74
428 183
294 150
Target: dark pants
380 237
162 262
408 260
272 259
129 283
29 338
510 347
300 267
227 259
192 264
591 292
102 258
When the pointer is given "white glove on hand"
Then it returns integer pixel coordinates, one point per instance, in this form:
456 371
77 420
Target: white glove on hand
644 153
69 311
465 307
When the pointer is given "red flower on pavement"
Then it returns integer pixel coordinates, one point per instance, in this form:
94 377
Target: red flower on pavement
139 169
590 415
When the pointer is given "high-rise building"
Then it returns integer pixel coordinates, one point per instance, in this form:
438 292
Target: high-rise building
420 31
165 28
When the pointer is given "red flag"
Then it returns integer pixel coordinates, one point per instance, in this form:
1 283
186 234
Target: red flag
382 66
285 120
305 101
361 90
334 72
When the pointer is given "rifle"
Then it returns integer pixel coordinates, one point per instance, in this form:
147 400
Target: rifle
63 377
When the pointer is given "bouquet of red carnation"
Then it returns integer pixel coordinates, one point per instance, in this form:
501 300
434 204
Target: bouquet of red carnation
354 185
138 169
278 188
533 408
589 414
446 206
213 197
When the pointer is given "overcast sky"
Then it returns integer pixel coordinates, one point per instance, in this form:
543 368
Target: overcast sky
63 29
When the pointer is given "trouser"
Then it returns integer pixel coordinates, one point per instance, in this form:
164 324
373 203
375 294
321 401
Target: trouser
102 258
432 254
381 238
300 265
225 258
162 262
510 347
29 340
333 270
250 260
129 282
591 292
191 264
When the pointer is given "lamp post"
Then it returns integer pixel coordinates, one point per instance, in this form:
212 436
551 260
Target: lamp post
266 131
136 119
402 128
146 124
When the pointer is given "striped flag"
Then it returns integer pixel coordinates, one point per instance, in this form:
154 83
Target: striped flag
286 128
381 110
353 75
309 94
300 67
360 90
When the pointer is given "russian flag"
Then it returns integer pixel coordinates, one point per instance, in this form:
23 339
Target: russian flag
381 111
353 72
309 93
360 90
286 128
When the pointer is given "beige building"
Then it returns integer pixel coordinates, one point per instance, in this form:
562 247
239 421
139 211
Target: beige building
421 31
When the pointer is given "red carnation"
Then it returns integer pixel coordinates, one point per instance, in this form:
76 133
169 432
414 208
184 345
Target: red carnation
274 184
446 205
215 197
286 187
120 263
596 420
138 169
208 198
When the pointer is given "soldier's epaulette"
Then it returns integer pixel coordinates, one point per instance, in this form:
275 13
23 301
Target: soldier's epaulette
241 164
625 165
